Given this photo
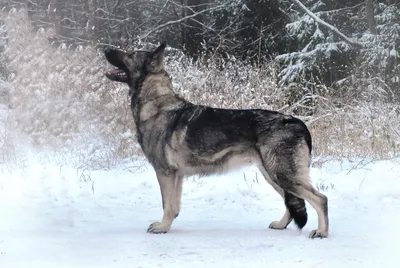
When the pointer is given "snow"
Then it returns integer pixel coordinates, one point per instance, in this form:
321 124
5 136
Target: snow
54 215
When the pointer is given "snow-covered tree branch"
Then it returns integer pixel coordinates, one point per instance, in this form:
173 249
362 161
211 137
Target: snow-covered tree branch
172 22
327 25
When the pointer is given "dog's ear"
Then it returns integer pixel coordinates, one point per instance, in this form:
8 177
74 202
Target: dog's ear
158 54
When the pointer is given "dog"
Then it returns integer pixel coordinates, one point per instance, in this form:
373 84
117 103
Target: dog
182 139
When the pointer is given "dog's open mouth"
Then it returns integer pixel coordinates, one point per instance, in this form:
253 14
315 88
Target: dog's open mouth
115 57
117 75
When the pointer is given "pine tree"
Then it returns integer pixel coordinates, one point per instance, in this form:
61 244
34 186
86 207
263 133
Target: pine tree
318 52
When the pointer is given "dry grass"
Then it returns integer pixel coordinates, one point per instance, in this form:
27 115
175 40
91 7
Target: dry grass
360 131
62 100
63 103
11 151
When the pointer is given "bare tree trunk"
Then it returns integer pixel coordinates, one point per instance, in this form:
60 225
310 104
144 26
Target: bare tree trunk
369 8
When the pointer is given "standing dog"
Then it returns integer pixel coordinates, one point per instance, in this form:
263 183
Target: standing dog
182 139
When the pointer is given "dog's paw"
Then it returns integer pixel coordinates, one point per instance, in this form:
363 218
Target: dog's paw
318 234
158 228
277 225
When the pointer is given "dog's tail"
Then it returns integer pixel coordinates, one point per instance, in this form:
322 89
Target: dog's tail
297 209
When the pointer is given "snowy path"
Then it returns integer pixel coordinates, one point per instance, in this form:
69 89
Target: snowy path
49 217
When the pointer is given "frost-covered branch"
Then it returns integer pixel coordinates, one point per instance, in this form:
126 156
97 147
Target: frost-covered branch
327 25
181 19
115 7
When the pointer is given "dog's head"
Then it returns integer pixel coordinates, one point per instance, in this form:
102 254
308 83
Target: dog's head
132 66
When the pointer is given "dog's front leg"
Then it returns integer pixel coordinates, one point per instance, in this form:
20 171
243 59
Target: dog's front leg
171 189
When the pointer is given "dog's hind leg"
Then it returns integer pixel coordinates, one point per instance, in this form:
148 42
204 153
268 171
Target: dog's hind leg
286 218
304 190
293 177
283 222
171 190
320 203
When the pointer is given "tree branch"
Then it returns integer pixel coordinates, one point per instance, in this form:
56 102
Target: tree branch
327 25
180 20
116 5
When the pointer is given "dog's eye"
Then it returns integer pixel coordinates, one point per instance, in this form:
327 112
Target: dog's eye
131 55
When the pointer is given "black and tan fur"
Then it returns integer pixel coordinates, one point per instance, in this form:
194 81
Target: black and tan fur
182 139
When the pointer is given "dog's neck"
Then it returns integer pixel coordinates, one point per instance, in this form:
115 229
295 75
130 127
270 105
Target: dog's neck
136 84
153 97
156 85
153 91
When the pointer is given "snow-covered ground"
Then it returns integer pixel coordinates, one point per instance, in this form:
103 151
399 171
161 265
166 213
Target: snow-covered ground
56 216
